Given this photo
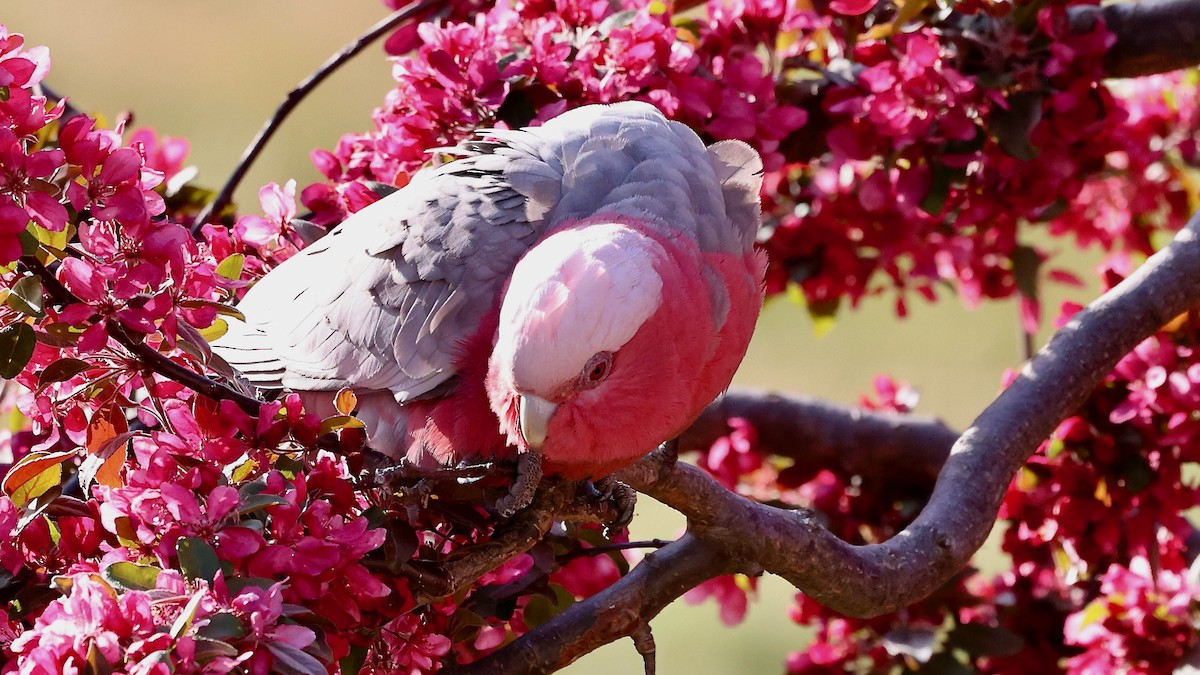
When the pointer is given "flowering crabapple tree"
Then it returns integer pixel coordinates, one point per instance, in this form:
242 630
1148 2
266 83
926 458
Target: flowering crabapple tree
158 518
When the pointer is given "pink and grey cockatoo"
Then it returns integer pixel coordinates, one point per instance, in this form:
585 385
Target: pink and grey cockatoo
580 290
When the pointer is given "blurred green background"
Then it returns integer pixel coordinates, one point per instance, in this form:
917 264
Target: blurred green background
214 71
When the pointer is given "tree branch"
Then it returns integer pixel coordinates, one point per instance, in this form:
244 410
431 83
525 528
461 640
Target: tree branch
882 448
620 610
729 533
293 99
871 580
1153 36
558 502
150 357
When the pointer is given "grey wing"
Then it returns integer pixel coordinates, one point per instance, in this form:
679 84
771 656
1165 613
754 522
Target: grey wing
386 299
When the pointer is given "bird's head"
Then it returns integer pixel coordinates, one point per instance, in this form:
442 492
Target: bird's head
599 346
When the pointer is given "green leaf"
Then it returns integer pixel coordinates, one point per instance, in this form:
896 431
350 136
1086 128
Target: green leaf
353 662
197 559
540 608
291 661
53 239
34 474
59 335
26 296
131 576
207 650
909 9
258 501
1025 263
16 348
944 663
36 507
183 622
251 488
340 422
98 664
231 267
238 584
29 243
1096 611
939 189
37 485
978 639
1012 127
222 626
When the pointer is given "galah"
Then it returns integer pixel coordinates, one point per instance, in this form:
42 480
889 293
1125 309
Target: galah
581 290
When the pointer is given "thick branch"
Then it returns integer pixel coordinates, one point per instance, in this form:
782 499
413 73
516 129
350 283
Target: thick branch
1153 36
881 448
616 612
729 533
871 580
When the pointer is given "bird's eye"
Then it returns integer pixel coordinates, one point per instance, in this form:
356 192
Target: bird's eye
597 368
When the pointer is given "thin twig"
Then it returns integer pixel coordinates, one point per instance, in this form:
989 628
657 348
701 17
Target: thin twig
293 99
150 357
609 548
616 612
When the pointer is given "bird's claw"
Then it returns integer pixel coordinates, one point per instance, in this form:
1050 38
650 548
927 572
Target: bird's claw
617 495
520 495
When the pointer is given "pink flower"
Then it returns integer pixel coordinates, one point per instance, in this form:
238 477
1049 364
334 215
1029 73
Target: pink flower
272 237
21 67
409 644
731 593
852 7
22 181
734 455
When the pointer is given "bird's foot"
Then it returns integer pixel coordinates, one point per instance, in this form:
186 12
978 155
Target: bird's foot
525 485
614 495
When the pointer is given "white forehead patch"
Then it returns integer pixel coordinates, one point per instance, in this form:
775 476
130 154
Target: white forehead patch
580 291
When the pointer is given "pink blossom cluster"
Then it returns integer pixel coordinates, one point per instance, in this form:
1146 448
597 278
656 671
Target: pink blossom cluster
173 626
199 537
513 65
1106 494
1143 622
931 153
935 168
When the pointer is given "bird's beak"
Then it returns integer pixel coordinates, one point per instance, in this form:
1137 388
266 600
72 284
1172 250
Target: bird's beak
534 413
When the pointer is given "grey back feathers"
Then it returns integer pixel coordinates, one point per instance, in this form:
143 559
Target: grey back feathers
385 301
